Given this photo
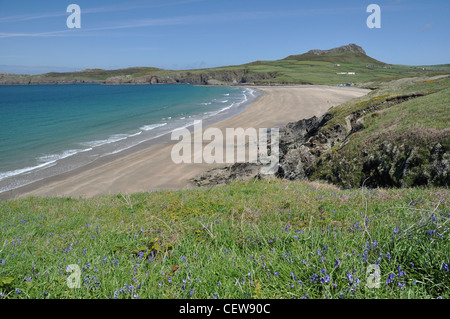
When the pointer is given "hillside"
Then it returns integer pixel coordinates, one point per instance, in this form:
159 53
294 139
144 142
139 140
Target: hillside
329 67
382 139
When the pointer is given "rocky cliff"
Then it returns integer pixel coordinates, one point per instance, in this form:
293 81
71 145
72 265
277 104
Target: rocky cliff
328 149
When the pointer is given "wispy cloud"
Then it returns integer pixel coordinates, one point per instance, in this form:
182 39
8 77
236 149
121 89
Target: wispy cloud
112 8
214 18
34 35
427 27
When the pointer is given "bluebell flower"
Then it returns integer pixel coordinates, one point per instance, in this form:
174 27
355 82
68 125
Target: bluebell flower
337 262
325 280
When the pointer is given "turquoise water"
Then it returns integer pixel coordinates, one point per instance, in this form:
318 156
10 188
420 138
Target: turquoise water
49 129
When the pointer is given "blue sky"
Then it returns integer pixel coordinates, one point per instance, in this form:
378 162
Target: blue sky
185 34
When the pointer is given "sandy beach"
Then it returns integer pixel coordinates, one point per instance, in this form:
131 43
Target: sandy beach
153 169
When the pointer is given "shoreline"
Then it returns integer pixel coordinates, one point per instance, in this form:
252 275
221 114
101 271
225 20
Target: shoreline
148 166
161 140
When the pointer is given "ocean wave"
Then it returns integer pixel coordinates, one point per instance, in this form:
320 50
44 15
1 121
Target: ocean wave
112 139
54 157
152 126
44 161
23 170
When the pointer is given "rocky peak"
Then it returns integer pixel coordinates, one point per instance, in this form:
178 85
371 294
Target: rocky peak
345 48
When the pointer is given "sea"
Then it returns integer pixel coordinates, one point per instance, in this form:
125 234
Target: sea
46 130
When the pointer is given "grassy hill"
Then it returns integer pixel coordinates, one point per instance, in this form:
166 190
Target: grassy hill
399 136
313 67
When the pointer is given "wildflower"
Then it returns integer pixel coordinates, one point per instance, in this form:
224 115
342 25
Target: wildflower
18 291
337 262
390 279
349 277
445 266
325 280
191 292
219 284
215 295
276 274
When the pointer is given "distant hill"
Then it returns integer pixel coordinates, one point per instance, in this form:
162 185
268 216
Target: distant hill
344 54
344 65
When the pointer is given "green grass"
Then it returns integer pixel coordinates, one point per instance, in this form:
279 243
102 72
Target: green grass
410 127
256 239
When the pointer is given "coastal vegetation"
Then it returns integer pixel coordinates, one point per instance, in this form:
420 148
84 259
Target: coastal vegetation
254 239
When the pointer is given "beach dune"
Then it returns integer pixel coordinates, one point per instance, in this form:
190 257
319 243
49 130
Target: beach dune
153 169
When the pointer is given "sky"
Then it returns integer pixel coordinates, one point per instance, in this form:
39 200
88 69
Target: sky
189 34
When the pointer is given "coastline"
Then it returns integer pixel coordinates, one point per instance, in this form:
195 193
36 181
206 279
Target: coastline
148 166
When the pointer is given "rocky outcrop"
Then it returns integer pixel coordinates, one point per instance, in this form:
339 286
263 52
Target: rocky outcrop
220 77
345 48
307 150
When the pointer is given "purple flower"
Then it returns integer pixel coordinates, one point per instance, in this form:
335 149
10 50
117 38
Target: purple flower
445 266
337 262
325 280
